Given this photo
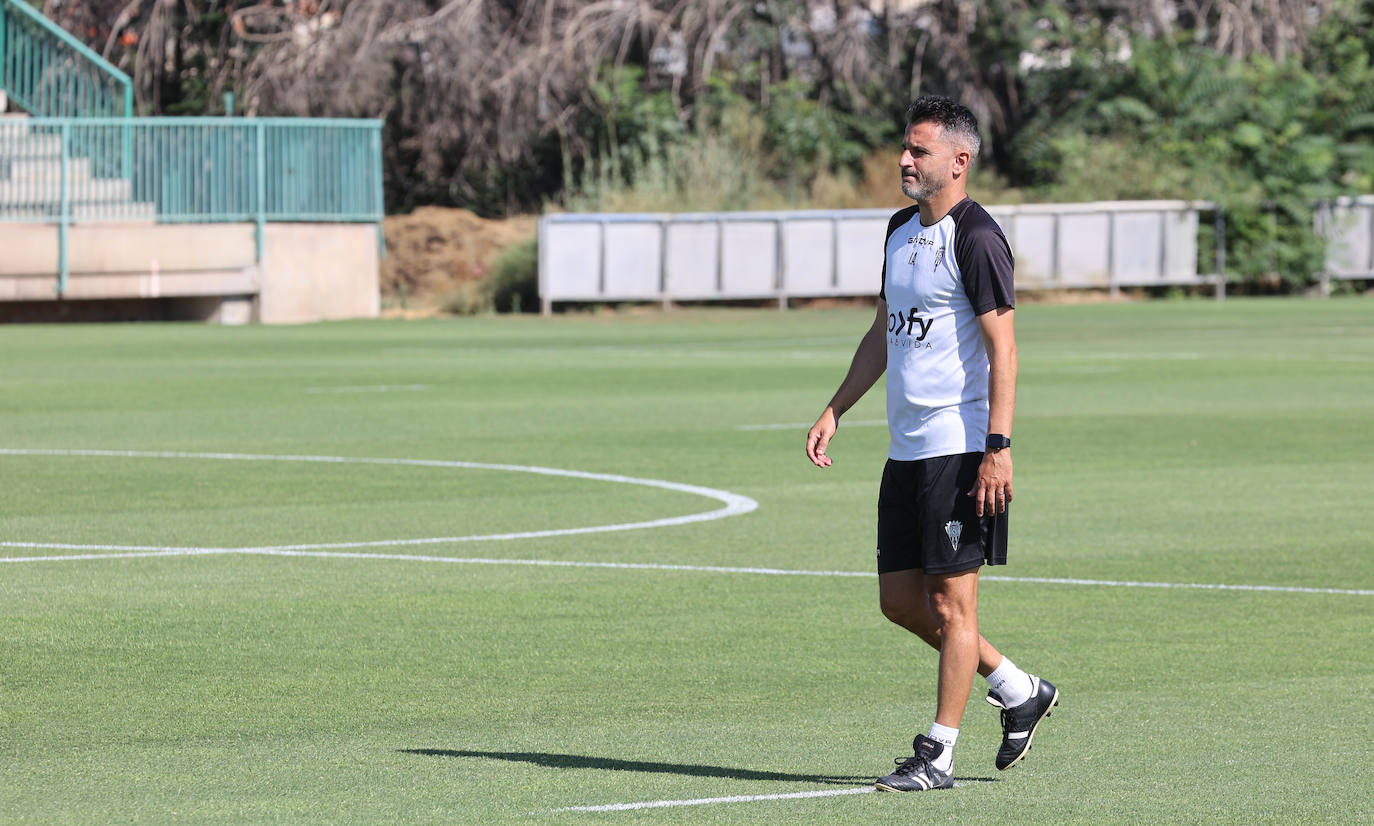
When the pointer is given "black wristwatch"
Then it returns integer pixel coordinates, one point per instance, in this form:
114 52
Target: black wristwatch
996 441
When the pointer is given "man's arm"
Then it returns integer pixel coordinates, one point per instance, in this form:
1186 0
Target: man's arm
869 362
992 491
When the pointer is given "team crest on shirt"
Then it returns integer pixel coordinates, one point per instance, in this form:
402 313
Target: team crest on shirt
954 530
939 258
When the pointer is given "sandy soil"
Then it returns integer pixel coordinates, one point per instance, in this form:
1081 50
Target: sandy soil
434 249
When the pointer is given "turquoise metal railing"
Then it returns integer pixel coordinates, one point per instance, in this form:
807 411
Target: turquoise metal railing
47 72
186 170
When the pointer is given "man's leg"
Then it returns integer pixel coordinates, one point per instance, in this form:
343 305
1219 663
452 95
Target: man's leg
905 601
950 623
954 603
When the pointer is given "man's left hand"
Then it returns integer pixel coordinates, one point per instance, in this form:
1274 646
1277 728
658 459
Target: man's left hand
992 491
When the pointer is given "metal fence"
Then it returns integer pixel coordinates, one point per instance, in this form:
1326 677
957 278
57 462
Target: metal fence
782 255
47 72
180 170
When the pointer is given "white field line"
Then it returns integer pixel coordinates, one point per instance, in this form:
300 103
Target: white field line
375 388
556 563
1204 586
129 552
735 504
805 425
706 801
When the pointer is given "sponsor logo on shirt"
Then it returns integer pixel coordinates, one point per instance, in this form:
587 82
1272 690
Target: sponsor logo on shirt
909 329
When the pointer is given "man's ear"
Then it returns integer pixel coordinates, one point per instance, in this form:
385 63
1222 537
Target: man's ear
962 160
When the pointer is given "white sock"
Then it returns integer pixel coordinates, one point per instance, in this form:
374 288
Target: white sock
947 737
1011 683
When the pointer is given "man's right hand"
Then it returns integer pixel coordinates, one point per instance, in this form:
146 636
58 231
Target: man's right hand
818 439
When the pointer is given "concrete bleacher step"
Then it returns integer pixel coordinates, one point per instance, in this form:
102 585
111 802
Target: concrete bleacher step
31 180
29 145
49 191
124 213
45 169
18 140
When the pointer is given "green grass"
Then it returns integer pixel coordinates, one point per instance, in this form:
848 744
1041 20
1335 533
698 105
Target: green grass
1183 442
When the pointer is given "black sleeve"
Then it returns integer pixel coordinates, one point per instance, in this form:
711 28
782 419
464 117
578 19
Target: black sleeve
898 218
985 263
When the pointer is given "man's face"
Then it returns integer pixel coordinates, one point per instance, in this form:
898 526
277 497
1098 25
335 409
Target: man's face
927 161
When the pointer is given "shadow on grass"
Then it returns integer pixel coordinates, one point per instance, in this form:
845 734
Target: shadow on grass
579 761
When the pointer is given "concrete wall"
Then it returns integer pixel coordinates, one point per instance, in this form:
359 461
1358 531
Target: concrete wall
317 272
309 272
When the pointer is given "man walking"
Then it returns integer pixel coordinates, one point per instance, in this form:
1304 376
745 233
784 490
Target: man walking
944 335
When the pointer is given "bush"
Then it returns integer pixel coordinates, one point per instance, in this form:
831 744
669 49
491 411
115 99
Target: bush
468 298
513 285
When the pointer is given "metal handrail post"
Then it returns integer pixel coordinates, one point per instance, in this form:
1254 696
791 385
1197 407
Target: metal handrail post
4 54
381 193
64 220
261 228
127 159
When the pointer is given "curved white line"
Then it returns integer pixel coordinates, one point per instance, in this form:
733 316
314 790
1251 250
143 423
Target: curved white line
735 504
128 552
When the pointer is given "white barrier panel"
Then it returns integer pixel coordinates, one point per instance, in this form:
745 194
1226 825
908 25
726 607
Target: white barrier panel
781 255
692 260
1349 228
809 255
633 253
749 259
859 265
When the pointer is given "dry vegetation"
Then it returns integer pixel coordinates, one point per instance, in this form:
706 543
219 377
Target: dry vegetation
477 93
434 251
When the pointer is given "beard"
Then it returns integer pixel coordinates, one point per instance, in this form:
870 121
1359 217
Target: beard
919 188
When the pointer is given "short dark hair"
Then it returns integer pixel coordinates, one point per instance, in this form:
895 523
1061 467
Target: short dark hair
958 121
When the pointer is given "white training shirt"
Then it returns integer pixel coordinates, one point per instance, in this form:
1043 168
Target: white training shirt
937 280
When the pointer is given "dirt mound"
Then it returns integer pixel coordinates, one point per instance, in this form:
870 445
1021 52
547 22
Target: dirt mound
434 249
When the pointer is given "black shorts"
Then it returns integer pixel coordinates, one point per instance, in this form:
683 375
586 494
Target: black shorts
927 520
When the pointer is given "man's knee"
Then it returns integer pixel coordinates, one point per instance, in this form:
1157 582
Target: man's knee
900 612
905 608
953 605
949 614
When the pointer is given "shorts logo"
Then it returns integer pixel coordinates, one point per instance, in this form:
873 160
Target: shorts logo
954 529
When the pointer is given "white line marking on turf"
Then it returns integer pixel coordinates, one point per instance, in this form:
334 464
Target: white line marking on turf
1289 589
735 504
804 425
129 552
132 554
706 801
375 388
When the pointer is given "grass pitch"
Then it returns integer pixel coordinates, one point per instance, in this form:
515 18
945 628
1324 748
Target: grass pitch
1186 442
